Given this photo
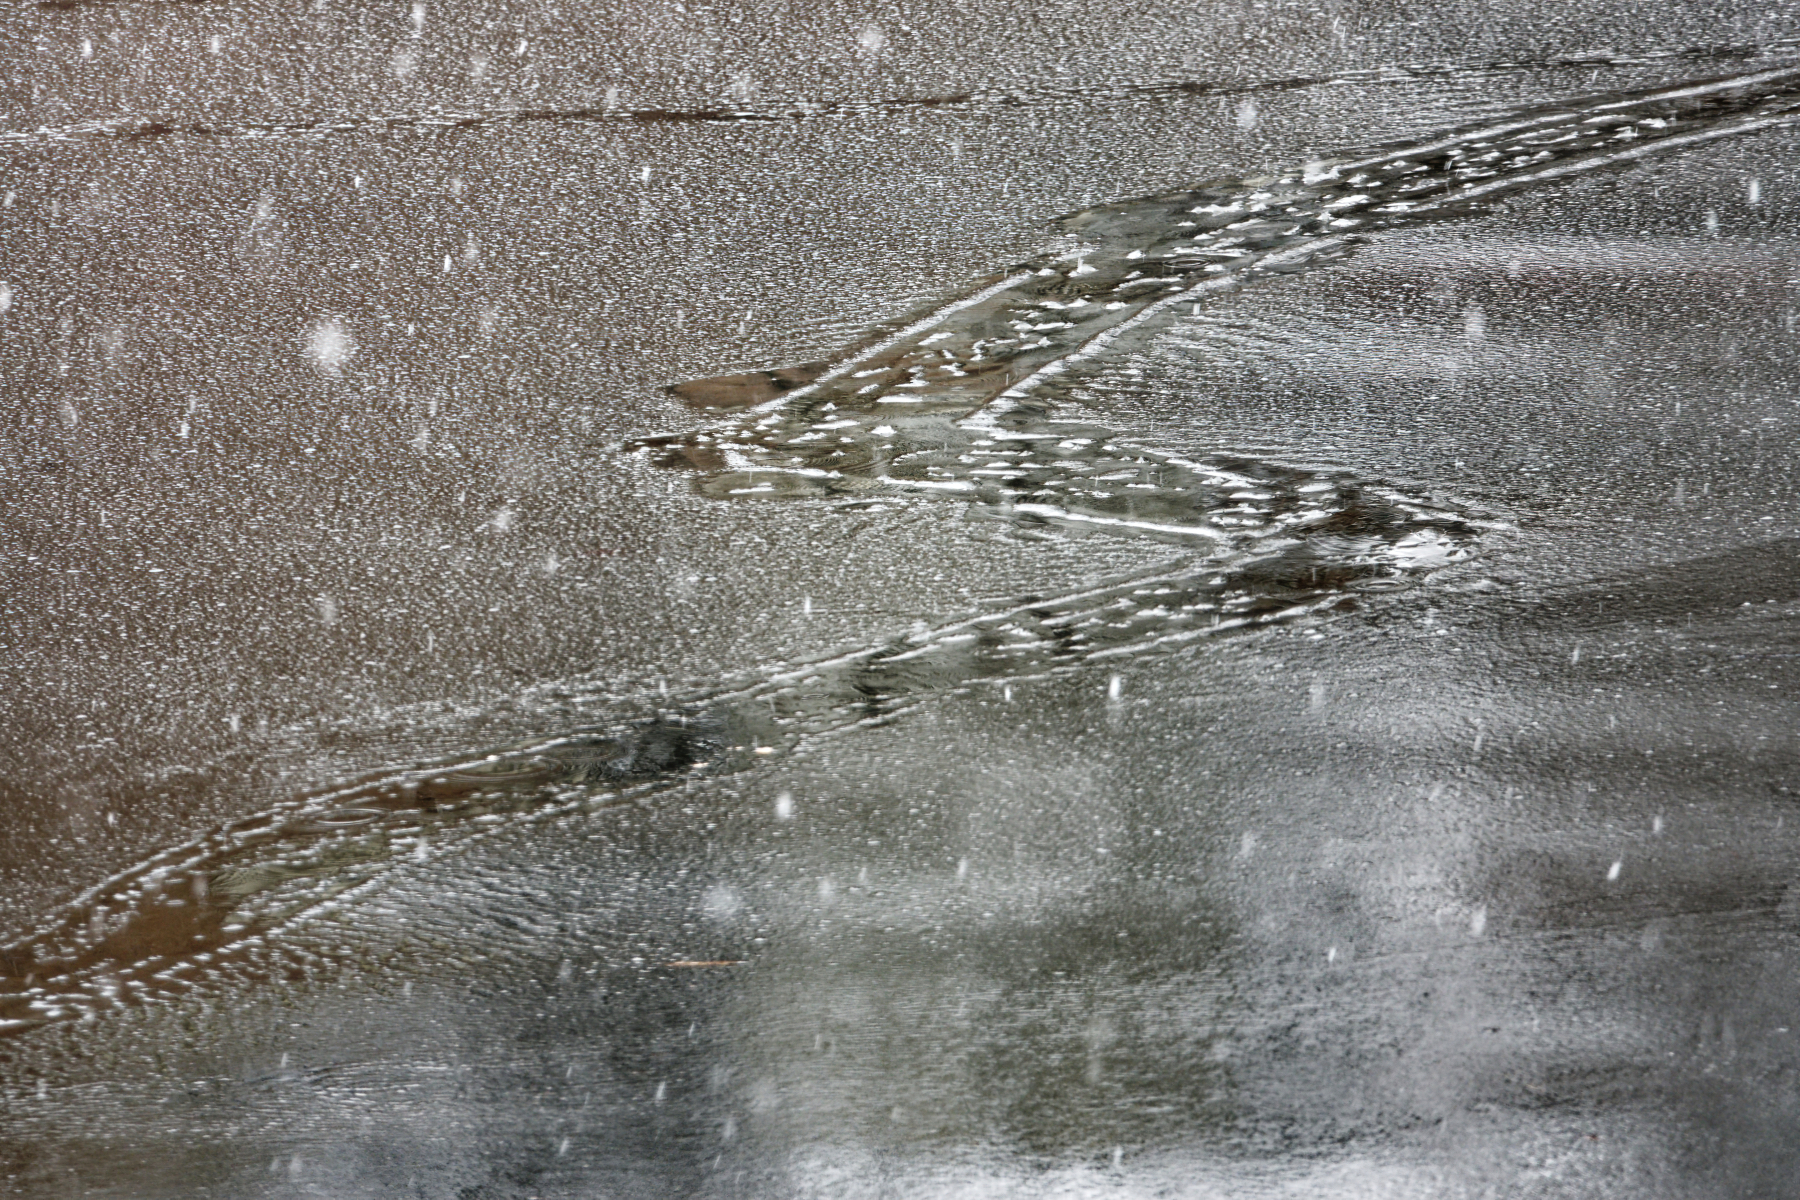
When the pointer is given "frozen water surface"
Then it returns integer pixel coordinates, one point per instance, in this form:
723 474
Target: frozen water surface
688 601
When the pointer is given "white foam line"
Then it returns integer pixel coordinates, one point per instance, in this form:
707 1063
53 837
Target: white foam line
1005 400
1186 635
1063 514
925 485
1643 150
935 318
1168 570
936 644
1705 89
1679 93
1454 140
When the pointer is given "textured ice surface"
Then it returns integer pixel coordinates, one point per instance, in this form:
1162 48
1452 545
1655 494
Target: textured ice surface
955 398
1004 873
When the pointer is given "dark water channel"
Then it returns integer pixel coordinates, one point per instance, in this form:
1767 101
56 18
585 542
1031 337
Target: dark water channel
739 643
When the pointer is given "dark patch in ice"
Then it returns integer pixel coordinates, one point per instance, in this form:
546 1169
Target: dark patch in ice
1738 582
207 909
750 388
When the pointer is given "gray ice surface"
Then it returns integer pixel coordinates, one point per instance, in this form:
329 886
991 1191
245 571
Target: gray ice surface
316 471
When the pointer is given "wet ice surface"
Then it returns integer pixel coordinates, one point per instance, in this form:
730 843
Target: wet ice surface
1354 763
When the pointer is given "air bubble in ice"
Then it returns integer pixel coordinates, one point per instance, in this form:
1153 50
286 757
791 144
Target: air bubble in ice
329 345
721 902
1474 324
784 806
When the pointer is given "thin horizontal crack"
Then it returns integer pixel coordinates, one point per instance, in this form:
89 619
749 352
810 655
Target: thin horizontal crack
71 5
136 128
